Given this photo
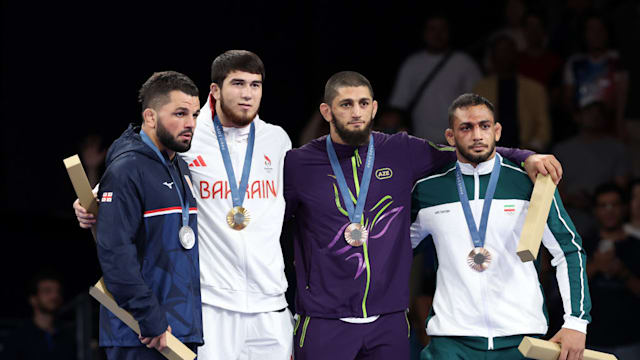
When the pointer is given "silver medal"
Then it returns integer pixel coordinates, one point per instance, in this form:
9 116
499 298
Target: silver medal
187 237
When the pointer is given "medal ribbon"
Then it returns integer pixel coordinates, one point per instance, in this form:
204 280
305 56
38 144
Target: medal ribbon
478 235
236 189
184 203
355 215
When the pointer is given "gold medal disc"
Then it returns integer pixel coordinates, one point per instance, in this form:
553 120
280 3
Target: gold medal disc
238 218
356 234
479 259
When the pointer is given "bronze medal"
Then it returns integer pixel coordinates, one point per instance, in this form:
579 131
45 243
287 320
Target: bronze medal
238 218
356 234
479 259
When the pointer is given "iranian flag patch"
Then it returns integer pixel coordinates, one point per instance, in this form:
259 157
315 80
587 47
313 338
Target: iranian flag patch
509 209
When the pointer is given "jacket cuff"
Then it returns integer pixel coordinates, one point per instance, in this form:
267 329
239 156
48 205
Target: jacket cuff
154 324
573 323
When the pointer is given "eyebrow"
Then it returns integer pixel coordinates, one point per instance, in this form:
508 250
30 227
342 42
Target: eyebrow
244 80
351 100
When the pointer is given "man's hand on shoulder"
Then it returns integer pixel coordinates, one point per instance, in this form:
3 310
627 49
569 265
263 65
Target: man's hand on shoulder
545 165
571 344
159 342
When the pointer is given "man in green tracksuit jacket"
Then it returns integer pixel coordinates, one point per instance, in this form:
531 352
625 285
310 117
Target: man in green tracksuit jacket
486 299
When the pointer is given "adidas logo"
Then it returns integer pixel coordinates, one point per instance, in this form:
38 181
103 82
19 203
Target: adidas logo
197 162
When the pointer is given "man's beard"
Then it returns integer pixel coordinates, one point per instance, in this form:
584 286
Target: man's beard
171 142
230 115
476 159
353 138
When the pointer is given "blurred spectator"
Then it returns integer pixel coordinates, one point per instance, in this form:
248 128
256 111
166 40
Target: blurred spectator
42 337
597 75
566 32
514 11
520 103
632 228
315 127
588 159
536 61
429 80
391 121
614 278
93 154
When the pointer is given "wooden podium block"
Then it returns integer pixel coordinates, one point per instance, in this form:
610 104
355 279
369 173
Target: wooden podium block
175 349
536 219
81 184
546 350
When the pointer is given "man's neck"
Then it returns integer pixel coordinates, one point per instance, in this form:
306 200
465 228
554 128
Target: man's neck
464 160
154 139
441 51
43 321
614 234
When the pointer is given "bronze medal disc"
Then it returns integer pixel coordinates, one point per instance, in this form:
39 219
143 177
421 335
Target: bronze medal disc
356 234
479 259
238 218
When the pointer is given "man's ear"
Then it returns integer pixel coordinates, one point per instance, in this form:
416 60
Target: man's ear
149 118
375 109
215 91
498 131
451 140
325 110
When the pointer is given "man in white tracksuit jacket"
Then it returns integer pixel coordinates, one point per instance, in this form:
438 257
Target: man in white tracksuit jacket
242 278
487 300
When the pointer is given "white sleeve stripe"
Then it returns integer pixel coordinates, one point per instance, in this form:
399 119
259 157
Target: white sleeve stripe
573 241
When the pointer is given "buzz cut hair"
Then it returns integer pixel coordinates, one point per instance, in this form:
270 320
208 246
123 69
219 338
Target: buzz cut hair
155 91
235 60
344 79
467 100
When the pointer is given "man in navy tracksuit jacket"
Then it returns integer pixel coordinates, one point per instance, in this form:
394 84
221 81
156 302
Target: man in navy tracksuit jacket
149 271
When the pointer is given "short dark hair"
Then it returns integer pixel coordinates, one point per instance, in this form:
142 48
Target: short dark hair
155 91
235 60
607 188
344 79
465 101
42 275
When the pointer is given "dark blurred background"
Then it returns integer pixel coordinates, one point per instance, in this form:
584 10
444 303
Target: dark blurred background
71 72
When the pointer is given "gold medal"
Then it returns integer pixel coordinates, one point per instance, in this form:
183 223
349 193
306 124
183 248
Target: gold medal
479 259
356 234
238 218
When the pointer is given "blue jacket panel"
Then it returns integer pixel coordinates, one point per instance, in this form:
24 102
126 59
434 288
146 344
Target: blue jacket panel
145 267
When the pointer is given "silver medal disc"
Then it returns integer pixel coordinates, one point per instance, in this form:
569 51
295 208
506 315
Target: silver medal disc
187 237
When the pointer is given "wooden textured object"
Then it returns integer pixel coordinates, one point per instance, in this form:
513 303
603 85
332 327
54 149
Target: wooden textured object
536 219
546 350
81 184
175 349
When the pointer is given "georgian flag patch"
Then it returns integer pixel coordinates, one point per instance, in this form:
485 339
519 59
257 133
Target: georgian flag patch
107 197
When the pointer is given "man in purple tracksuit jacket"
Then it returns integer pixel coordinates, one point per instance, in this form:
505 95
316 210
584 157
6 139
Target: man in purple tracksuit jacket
351 300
